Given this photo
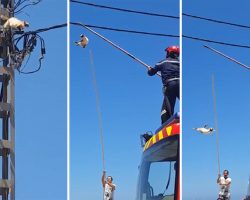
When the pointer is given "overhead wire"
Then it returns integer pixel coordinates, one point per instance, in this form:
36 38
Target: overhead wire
216 42
125 10
19 3
27 5
128 31
215 20
112 29
164 35
46 29
161 15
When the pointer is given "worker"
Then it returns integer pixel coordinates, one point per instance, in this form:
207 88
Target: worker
170 75
224 183
108 187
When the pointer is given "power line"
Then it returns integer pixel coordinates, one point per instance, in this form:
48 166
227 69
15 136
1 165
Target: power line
215 20
47 29
161 15
128 31
165 35
140 32
19 3
216 42
125 10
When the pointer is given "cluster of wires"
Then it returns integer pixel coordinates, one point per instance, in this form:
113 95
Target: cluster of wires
21 4
29 43
25 45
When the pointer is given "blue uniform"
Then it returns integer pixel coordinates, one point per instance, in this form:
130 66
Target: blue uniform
170 73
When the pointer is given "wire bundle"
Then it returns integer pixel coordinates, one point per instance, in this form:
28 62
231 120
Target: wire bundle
29 43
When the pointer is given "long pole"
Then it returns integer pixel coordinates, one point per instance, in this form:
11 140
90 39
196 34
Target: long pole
114 45
98 107
228 57
216 124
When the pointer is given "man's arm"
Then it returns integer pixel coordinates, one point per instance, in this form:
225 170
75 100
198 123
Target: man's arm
153 70
103 178
218 179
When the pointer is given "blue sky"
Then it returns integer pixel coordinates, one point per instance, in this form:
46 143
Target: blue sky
41 111
130 100
232 92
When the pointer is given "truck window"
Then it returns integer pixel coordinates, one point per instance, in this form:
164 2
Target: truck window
162 180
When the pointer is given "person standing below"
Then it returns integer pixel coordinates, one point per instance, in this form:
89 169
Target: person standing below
224 183
108 187
170 75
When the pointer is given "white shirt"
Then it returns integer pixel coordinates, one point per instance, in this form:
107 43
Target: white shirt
108 193
224 189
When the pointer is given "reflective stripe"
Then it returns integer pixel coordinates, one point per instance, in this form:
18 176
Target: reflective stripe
165 132
172 79
168 61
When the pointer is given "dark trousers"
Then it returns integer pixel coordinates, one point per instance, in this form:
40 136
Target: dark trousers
171 92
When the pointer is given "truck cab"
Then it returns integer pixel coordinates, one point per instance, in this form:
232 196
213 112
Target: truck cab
159 169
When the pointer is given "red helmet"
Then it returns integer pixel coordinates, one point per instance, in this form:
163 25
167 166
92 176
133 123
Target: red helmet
173 49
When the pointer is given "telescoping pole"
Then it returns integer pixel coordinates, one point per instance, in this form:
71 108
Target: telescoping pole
228 57
114 45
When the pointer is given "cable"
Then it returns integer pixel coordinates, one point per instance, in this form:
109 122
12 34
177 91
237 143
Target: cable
215 20
161 15
128 31
216 42
42 43
29 42
29 4
19 3
125 10
46 29
164 35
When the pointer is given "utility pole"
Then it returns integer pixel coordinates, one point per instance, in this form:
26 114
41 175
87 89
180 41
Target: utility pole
7 104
